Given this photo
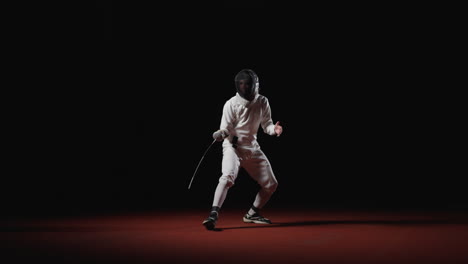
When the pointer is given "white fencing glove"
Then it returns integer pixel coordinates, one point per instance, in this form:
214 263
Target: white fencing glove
220 135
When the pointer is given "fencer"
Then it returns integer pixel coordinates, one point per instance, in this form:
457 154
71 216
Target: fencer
242 116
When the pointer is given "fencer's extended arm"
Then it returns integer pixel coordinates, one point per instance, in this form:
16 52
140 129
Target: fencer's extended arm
220 135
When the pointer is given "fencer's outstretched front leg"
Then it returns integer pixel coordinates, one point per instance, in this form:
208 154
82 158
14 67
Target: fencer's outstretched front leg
219 197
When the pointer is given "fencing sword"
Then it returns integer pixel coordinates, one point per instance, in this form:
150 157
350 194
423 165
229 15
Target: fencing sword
200 163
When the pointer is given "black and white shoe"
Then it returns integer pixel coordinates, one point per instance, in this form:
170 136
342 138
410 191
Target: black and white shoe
256 218
210 222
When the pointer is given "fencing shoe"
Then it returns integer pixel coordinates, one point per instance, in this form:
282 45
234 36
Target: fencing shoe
210 221
256 218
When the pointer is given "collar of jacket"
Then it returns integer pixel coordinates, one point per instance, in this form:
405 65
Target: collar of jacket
240 100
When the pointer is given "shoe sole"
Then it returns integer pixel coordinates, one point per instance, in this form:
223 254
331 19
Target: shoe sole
209 225
255 222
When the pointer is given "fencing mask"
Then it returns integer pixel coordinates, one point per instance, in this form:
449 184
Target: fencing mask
247 84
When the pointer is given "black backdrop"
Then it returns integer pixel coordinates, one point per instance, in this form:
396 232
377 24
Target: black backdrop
370 112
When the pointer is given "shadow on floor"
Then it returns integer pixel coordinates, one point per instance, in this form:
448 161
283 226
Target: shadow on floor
356 222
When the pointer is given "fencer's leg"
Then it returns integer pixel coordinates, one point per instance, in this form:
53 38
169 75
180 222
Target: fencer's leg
230 169
259 168
225 182
264 195
218 200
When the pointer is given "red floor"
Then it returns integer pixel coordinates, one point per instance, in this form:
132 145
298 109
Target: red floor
297 236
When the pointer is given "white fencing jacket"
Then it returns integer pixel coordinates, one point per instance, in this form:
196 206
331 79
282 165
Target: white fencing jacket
242 118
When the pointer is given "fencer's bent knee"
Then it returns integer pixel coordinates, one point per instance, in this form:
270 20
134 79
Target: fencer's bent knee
271 186
228 180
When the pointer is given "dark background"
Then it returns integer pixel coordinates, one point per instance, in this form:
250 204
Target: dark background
371 111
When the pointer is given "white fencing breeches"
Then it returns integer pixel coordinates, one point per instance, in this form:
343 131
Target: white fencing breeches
257 166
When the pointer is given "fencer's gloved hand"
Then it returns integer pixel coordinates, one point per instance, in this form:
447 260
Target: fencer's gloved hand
220 135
